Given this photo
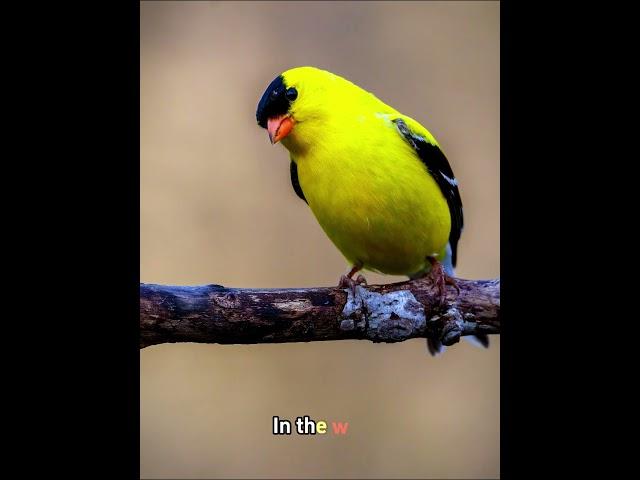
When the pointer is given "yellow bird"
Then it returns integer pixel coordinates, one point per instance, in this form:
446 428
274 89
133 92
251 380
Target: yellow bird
375 179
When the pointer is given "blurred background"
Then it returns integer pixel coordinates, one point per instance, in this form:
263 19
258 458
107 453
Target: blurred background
217 206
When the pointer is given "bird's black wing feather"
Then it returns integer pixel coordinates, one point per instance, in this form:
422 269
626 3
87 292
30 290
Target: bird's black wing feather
294 181
440 170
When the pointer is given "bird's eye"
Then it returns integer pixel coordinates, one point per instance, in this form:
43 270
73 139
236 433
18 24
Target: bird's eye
292 94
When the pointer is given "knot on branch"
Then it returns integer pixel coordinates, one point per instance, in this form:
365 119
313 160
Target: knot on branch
448 327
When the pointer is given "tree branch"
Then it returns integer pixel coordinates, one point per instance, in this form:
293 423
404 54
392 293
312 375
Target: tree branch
380 313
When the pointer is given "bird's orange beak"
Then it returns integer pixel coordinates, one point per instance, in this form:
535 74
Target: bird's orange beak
279 127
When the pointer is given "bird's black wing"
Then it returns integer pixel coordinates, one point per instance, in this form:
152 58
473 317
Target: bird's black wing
439 168
294 181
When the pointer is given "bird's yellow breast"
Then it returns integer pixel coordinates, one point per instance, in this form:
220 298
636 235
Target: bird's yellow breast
370 192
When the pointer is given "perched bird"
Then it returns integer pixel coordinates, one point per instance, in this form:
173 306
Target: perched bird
375 179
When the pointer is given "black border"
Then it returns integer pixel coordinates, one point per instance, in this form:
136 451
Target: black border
86 220
550 351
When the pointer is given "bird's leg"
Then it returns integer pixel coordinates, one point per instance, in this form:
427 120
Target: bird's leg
347 282
440 279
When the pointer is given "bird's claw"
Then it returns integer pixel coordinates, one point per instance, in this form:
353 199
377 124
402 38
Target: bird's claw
350 283
440 279
452 281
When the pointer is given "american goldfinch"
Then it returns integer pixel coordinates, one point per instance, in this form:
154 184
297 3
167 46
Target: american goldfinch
375 179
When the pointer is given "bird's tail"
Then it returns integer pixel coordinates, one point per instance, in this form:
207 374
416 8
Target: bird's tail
436 347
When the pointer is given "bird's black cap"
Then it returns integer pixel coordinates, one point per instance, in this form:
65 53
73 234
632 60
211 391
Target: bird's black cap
274 102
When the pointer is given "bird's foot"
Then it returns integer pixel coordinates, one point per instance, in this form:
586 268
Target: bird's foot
440 279
347 282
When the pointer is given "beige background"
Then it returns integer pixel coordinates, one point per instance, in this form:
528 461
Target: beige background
217 207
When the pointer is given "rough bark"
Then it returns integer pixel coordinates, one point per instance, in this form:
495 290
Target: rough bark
380 313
